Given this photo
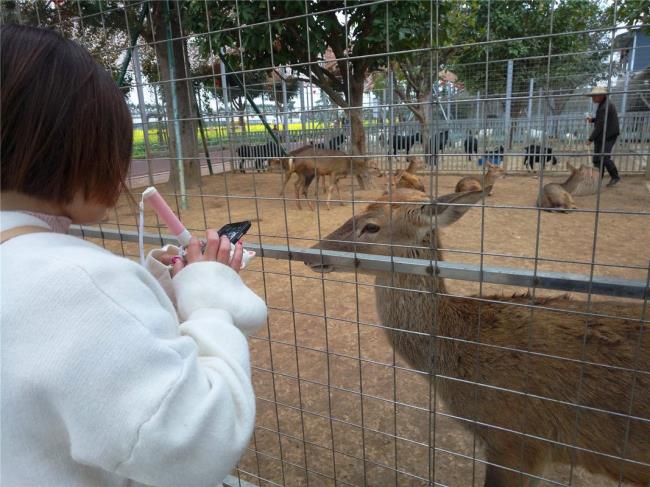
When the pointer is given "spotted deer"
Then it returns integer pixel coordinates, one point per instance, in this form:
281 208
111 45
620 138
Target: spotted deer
553 385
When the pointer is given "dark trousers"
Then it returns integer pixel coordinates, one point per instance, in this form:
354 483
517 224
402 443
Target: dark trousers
603 157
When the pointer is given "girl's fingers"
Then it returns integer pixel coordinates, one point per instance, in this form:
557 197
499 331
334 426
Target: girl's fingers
223 255
235 263
212 246
193 251
177 265
166 258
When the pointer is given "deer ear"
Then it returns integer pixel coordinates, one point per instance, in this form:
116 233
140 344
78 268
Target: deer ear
449 208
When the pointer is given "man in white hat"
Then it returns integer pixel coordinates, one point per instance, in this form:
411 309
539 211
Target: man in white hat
604 134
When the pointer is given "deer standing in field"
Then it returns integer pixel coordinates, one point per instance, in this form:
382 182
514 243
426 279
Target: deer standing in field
558 196
553 385
477 183
310 162
285 164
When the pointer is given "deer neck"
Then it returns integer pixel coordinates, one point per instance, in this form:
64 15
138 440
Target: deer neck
489 178
571 183
412 313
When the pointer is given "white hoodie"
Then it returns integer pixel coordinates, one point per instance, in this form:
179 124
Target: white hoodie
104 383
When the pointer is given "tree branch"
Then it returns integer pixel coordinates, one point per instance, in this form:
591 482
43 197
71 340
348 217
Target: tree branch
409 78
414 108
319 72
344 69
334 37
280 75
332 93
319 80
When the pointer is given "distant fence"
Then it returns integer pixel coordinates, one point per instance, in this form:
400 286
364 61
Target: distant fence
566 134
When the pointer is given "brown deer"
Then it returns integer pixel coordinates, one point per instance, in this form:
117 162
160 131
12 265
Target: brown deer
476 183
283 164
407 178
331 165
558 196
542 385
589 181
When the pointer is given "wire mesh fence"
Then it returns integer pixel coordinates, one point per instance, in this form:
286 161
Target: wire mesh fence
439 350
567 137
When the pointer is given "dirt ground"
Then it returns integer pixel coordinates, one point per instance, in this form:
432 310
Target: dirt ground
331 391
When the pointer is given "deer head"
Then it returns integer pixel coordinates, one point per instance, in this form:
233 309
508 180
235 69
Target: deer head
582 172
404 219
404 179
279 163
415 163
495 172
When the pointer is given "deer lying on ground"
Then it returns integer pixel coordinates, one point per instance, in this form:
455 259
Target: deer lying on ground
555 385
477 183
310 163
558 196
588 180
407 178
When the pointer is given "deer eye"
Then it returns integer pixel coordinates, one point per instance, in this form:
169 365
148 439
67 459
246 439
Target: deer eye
371 228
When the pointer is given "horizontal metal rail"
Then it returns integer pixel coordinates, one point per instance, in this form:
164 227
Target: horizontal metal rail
558 281
232 481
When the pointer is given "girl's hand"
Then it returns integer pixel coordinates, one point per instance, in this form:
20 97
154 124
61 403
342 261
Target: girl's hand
216 249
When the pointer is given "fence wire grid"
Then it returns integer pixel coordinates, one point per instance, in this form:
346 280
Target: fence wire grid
480 342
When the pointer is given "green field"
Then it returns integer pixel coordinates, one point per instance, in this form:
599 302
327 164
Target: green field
216 136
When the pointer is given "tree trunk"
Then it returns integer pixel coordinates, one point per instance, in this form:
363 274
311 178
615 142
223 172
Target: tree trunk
421 109
239 104
429 143
356 117
186 113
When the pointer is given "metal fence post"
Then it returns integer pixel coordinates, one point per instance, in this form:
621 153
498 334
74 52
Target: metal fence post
176 122
230 121
302 106
285 114
531 87
628 74
448 89
507 120
144 117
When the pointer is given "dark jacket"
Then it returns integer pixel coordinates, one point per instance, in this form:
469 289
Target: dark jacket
612 130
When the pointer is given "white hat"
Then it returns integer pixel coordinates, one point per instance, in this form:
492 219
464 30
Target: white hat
597 90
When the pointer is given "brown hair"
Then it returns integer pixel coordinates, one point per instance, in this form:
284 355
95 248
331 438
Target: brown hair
65 125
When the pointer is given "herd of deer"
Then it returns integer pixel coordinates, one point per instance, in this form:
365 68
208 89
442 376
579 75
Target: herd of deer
311 163
567 383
